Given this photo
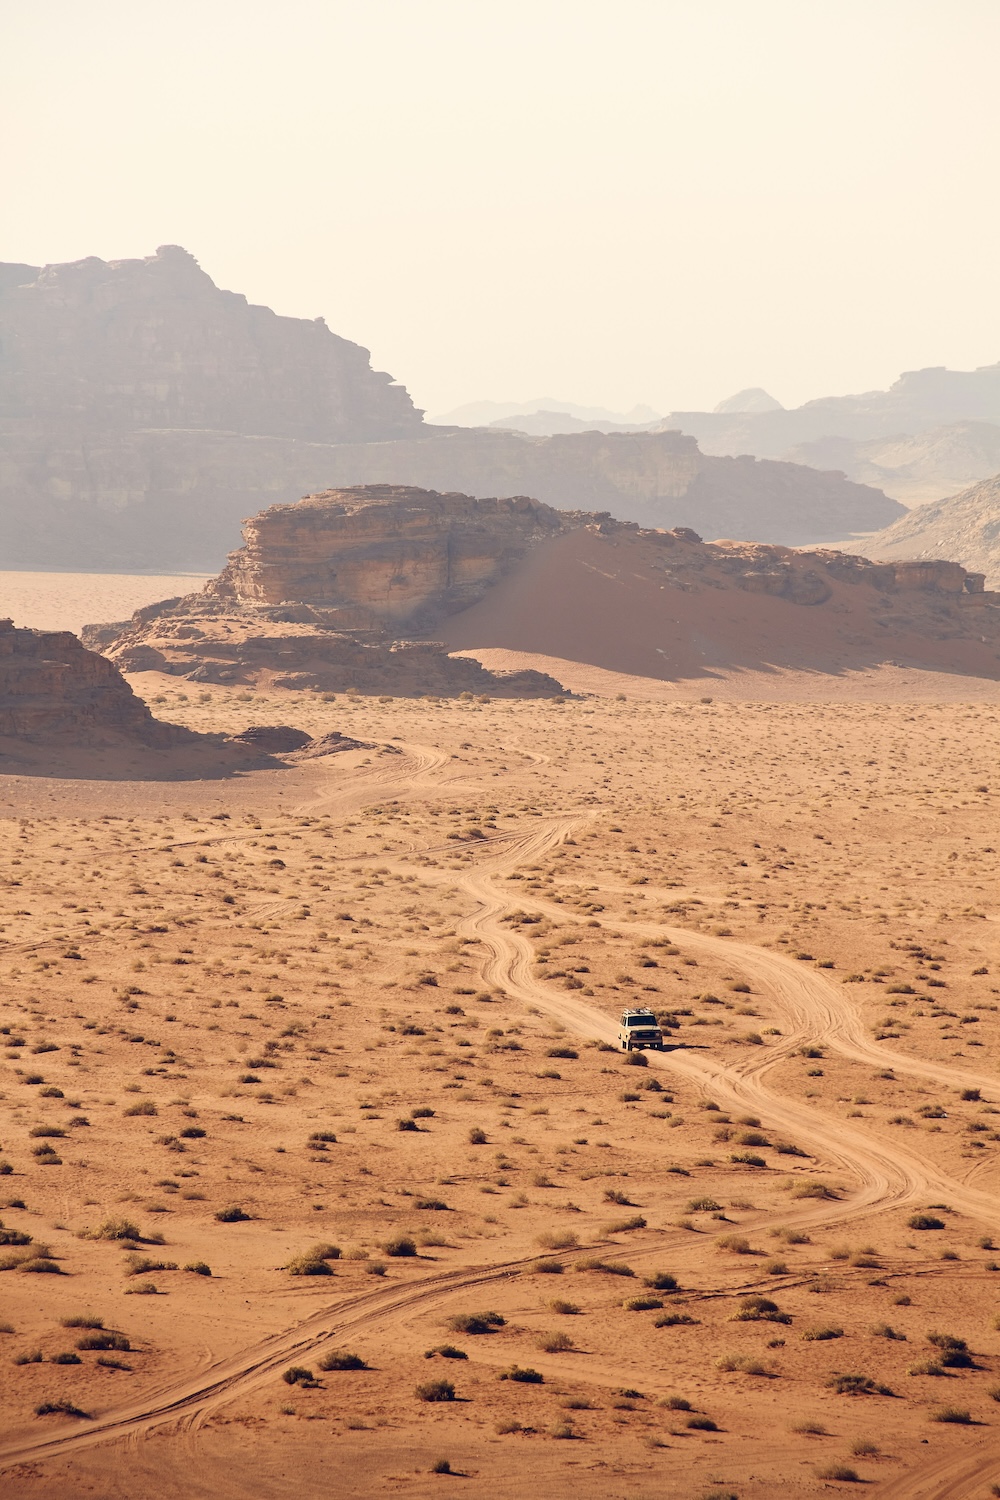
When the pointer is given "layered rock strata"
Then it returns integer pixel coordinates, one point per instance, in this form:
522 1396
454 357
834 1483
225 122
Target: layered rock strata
53 689
319 595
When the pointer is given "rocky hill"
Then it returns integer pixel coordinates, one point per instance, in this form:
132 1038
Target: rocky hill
966 527
321 590
144 412
53 689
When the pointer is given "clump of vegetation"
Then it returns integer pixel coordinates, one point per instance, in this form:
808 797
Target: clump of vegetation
759 1310
476 1322
115 1229
555 1343
339 1359
231 1215
446 1351
435 1390
823 1333
843 1472
105 1338
556 1239
642 1304
199 1267
299 1375
400 1245
958 1414
522 1375
608 1267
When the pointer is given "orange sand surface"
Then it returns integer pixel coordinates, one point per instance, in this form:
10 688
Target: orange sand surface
343 1034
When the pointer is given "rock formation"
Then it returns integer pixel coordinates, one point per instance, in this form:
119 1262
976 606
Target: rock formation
320 591
966 527
144 412
657 479
52 689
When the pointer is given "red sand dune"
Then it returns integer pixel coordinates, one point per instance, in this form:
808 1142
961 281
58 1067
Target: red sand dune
603 600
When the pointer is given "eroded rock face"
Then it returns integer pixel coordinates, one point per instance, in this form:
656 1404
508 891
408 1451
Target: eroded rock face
154 343
382 555
318 593
52 689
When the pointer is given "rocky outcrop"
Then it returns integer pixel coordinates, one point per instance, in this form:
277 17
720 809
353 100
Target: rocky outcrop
318 593
52 689
320 590
966 527
144 412
381 556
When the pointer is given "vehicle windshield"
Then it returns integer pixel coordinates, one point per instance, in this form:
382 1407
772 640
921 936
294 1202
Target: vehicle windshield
647 1020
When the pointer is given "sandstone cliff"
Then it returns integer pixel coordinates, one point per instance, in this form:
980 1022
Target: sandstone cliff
53 689
144 412
320 591
967 527
318 594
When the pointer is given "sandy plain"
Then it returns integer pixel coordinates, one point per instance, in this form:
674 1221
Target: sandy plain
370 1003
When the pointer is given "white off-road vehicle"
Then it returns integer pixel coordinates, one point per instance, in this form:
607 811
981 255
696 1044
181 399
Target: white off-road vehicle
640 1029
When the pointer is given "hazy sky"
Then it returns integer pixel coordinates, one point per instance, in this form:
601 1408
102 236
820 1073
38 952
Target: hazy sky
608 200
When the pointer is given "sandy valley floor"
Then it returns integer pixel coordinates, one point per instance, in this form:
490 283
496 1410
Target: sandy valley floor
289 1025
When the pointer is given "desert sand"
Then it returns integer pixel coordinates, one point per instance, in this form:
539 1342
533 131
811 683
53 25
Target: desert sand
368 1004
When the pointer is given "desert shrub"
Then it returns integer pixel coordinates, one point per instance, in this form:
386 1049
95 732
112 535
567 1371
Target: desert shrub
703 1206
115 1229
307 1265
642 1304
565 1052
143 1107
40 1265
661 1281
856 1385
59 1408
400 1245
759 1310
475 1322
522 1375
141 1265
407 1125
557 1239
550 1267
886 1331
108 1338
558 1305
14 1237
339 1359
864 1448
926 1367
323 1137
813 1190
67 1359
435 1390
142 1289
563 1430
822 1334
924 1221
441 1467
298 1375
614 1195
81 1322
843 1472
673 1320
107 1363
608 1267
959 1414
432 1205
231 1215
422 1112
39 1131
477 1136
737 1243
554 1343
446 1351
29 1357
622 1226
742 1363
199 1268
701 1424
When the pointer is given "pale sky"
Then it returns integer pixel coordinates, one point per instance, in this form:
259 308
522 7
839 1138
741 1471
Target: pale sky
612 201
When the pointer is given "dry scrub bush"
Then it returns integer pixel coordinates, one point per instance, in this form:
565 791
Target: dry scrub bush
435 1390
339 1359
557 1239
554 1343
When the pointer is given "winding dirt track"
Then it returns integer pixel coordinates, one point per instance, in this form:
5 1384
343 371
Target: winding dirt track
813 1010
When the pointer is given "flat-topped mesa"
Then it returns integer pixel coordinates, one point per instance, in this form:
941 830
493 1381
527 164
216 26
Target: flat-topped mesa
380 555
54 691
